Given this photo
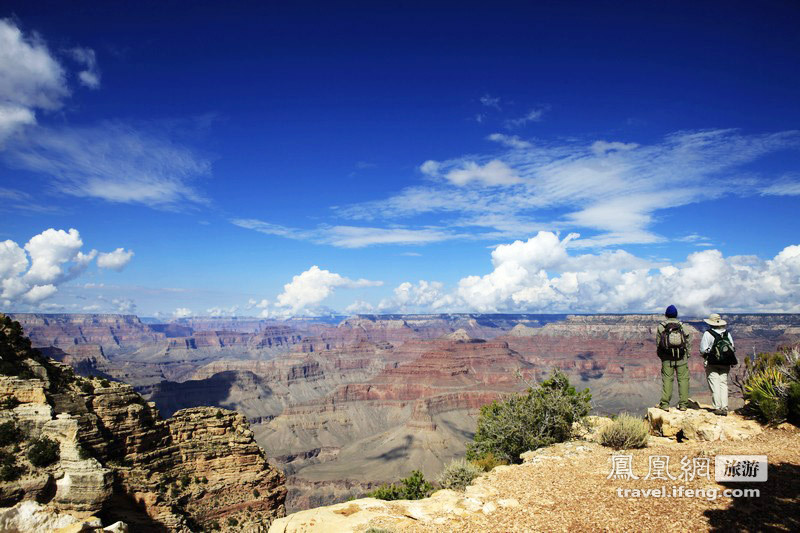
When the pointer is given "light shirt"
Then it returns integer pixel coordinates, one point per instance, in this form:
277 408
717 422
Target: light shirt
707 341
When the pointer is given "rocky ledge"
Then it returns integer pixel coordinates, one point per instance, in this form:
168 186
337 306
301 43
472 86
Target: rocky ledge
74 449
550 491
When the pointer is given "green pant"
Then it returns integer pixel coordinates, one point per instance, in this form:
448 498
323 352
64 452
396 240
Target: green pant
668 369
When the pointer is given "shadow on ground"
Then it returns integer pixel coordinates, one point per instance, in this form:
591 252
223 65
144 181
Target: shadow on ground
776 509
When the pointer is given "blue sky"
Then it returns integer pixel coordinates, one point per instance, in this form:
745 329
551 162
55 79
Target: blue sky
296 159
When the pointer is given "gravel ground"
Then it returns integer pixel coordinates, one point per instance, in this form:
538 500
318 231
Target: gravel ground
575 494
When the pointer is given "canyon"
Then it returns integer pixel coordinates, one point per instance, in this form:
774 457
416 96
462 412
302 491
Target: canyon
342 407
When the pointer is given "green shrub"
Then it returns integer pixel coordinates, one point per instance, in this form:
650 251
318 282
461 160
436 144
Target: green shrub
458 474
256 494
9 402
488 461
213 525
43 452
794 402
185 480
9 433
175 492
625 432
9 470
218 415
232 522
105 383
87 387
771 384
522 422
413 487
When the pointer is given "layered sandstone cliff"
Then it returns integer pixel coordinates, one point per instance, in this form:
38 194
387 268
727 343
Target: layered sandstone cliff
115 457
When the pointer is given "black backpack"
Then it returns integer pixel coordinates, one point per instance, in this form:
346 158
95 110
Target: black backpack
722 352
672 342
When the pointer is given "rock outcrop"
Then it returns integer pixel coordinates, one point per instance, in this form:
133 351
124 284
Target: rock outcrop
86 446
700 424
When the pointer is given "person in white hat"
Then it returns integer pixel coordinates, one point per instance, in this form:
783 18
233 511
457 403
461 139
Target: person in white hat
716 347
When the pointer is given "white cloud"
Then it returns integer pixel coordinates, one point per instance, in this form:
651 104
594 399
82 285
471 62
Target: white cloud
223 311
116 260
253 303
603 147
182 312
33 273
539 275
788 186
49 251
534 115
491 101
13 260
360 307
114 162
493 173
90 77
30 78
37 293
309 289
349 236
611 191
125 306
512 141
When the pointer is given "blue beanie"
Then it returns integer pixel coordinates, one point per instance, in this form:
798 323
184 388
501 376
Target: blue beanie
672 312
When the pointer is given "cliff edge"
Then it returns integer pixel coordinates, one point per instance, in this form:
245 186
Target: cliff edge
91 451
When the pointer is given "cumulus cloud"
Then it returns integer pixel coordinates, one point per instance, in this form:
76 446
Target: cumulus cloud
540 275
182 312
32 273
116 260
30 78
493 173
308 290
223 311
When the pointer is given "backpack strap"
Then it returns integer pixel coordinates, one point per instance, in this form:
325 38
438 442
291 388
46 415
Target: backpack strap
714 334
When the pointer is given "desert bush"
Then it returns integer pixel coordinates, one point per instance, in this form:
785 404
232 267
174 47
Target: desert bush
625 432
44 451
87 387
9 470
413 487
488 461
522 422
256 493
458 474
9 433
9 402
771 385
105 383
232 522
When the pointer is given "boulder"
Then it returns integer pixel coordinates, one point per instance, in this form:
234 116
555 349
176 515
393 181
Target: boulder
700 425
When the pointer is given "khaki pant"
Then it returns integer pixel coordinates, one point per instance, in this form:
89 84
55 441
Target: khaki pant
717 377
668 370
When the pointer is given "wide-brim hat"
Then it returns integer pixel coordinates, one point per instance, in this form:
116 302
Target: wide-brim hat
715 320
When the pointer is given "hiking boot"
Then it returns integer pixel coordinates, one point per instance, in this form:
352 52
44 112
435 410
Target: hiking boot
721 412
663 407
682 408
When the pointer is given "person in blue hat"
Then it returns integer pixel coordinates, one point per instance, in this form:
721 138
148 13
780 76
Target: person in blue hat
673 341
